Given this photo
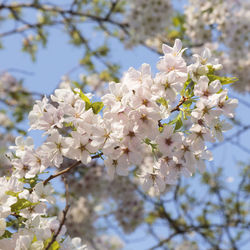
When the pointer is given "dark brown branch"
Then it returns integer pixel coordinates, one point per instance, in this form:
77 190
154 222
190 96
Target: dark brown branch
177 108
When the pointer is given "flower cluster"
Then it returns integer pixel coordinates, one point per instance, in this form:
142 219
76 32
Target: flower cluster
13 100
147 18
136 119
224 20
91 189
26 207
169 116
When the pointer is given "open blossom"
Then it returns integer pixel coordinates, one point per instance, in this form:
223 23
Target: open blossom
219 127
205 111
114 168
55 147
204 89
167 86
173 62
117 98
44 193
81 148
154 181
168 140
226 105
45 116
22 145
176 50
134 79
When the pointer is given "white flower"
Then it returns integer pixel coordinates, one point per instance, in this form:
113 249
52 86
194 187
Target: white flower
22 145
226 105
2 226
219 127
176 50
174 64
147 121
44 193
154 181
166 86
204 89
81 148
168 140
55 147
116 100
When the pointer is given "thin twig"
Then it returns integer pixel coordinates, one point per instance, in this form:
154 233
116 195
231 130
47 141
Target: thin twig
66 170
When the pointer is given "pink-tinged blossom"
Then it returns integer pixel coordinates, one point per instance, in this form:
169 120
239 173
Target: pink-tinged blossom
205 111
114 168
116 100
165 162
44 193
76 112
153 182
176 65
81 148
166 86
206 59
45 116
168 140
176 169
185 151
36 159
88 122
218 127
200 157
56 146
132 136
22 145
176 50
204 89
199 135
225 104
134 79
142 97
65 98
23 169
130 155
37 208
7 200
147 121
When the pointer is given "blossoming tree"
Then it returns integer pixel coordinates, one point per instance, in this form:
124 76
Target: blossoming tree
122 157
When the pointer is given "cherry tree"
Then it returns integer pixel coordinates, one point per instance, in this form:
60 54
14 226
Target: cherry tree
126 145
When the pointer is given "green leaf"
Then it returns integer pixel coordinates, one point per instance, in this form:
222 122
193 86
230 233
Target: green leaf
6 234
97 107
150 219
55 245
162 101
223 79
152 145
77 85
21 204
84 98
11 193
179 122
